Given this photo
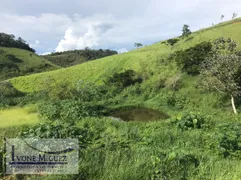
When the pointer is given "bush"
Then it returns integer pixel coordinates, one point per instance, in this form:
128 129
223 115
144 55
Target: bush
228 139
174 165
124 79
7 102
174 83
59 130
7 90
160 83
191 59
75 110
86 91
71 110
178 102
9 94
57 91
14 58
49 110
172 41
191 121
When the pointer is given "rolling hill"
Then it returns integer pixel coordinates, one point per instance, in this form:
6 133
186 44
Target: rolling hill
71 58
199 138
19 62
147 59
153 63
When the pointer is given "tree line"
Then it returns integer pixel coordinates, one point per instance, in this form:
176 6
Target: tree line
73 57
9 40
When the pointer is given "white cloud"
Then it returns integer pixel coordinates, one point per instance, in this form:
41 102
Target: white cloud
90 39
45 53
36 44
108 23
122 50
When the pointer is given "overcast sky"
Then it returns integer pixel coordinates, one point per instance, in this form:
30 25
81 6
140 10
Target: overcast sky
59 25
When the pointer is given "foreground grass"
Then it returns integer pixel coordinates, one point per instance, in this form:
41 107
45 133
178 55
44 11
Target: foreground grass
134 150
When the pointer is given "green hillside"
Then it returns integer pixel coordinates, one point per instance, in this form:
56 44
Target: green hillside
193 135
150 59
74 57
18 62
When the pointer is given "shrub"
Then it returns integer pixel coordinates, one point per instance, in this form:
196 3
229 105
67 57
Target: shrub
124 79
228 139
59 130
14 58
74 110
49 110
174 165
174 83
174 101
8 90
172 41
7 102
71 110
59 91
164 42
86 91
191 121
82 90
160 83
191 59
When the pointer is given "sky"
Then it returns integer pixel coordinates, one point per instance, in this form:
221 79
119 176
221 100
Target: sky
60 25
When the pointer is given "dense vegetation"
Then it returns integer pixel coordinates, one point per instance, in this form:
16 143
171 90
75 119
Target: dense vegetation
18 59
74 57
17 62
191 59
199 140
8 40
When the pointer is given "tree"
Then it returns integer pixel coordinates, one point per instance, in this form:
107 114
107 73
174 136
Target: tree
138 45
8 40
21 40
222 16
185 31
124 79
221 71
234 15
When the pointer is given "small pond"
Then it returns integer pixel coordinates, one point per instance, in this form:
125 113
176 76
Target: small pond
140 114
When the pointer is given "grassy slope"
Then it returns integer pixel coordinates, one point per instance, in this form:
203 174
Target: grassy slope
157 137
26 61
148 57
14 119
75 57
149 60
17 117
65 59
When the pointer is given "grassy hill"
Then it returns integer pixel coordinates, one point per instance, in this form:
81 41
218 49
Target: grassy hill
200 139
74 57
150 59
152 63
18 62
